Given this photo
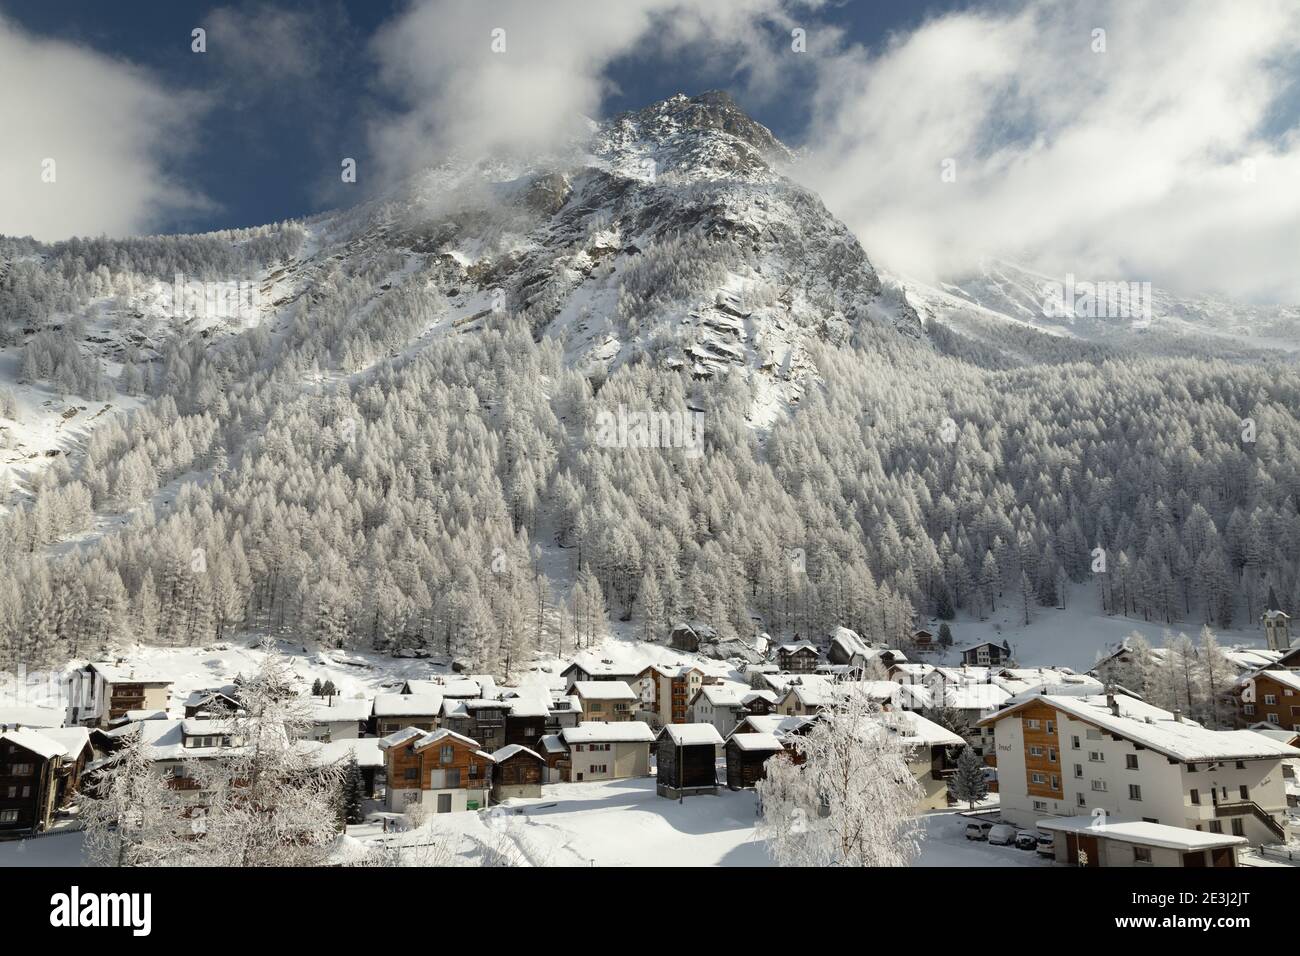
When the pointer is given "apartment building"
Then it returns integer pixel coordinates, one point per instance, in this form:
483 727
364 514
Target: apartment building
1117 758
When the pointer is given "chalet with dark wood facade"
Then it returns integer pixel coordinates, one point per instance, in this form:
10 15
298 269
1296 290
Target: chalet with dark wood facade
686 756
800 657
518 772
39 773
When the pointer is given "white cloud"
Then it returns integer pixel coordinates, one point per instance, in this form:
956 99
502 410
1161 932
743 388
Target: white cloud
456 93
1122 164
109 127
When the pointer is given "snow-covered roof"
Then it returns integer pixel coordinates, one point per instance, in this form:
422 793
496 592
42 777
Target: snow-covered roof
797 647
849 642
334 709
438 736
205 726
127 673
603 690
754 695
35 741
692 735
913 696
1142 833
552 743
591 664
756 742
778 724
366 749
595 731
1156 729
912 728
721 695
974 696
509 750
1285 678
30 717
529 707
407 705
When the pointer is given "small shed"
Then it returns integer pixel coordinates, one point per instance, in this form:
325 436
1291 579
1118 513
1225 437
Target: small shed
519 772
747 756
686 756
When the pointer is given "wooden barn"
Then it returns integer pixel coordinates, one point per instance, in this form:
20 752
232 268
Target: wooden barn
686 756
747 756
519 772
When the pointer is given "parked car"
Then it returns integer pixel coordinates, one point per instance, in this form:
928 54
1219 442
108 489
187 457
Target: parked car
1002 834
978 830
1026 840
1046 845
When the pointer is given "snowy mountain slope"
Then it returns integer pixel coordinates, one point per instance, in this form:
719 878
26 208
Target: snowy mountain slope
1169 323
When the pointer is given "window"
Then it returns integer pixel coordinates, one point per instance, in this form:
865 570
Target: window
1195 796
1134 792
1074 743
1040 806
1131 761
8 816
21 769
1238 828
1241 765
1051 726
1056 782
1191 768
1094 734
1096 756
1080 800
1270 700
445 755
1035 751
412 773
1099 786
1037 778
1216 826
598 768
1249 710
1078 770
1273 719
1141 854
1051 754
1244 791
1033 724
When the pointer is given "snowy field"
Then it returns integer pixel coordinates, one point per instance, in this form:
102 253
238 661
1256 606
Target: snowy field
1071 636
609 823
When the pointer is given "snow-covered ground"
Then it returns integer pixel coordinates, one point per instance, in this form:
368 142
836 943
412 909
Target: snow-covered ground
1071 636
607 823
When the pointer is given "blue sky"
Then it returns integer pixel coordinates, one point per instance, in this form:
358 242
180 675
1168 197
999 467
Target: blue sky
264 154
1131 140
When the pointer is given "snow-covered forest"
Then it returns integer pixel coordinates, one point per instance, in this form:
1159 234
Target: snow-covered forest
390 462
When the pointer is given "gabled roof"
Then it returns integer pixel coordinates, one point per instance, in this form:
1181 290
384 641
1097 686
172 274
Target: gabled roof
599 732
756 742
720 695
692 735
407 705
592 664
31 717
849 642
1183 740
340 708
444 735
36 742
603 690
512 750
552 743
127 674
798 647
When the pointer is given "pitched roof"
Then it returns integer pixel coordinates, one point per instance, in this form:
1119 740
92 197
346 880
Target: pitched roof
127 673
603 690
756 742
692 735
511 750
1183 740
595 731
340 708
36 742
407 705
31 717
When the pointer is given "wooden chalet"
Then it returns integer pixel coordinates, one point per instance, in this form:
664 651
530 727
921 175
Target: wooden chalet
39 773
686 756
747 756
444 770
518 772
